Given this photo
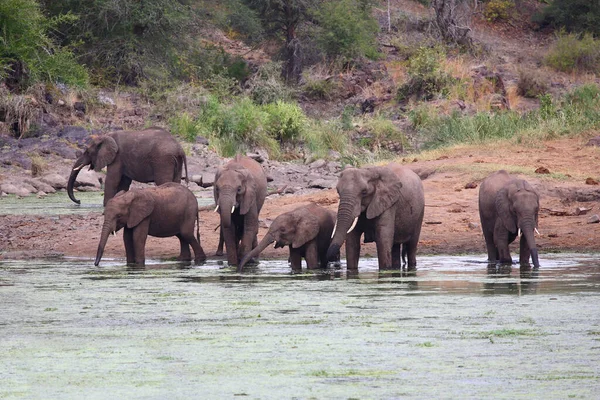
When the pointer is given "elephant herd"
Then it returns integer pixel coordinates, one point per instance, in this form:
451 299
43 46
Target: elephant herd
386 204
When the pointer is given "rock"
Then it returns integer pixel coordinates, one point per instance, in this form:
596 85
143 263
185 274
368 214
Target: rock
260 156
542 170
79 106
473 225
595 141
40 186
61 102
87 178
594 219
581 210
55 180
322 184
320 163
334 166
9 188
197 179
471 185
591 181
334 155
41 194
105 99
208 180
202 140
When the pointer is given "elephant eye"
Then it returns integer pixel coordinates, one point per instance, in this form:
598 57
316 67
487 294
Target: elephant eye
364 192
239 189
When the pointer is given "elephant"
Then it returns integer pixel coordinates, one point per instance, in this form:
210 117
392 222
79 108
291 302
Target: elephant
240 189
306 230
507 207
387 204
150 155
170 209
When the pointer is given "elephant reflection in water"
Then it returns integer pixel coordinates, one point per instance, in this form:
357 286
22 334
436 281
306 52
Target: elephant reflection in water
526 284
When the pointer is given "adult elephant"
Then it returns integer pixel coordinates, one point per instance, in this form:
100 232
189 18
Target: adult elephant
306 230
167 210
150 155
508 206
385 203
240 189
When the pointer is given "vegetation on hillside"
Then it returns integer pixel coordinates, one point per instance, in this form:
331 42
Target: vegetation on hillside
381 82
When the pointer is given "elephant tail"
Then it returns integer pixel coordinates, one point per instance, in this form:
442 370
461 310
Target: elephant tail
198 227
187 177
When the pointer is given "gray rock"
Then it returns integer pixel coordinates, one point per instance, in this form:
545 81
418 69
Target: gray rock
197 179
322 184
55 180
594 219
473 225
320 163
105 99
40 186
88 178
208 179
9 188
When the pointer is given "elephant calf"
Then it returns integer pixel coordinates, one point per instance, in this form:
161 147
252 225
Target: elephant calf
306 230
166 210
507 207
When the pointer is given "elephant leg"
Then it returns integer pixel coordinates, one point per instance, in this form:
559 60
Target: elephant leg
311 255
384 239
249 236
296 259
112 182
124 183
140 234
492 251
199 255
221 242
184 252
397 249
353 249
129 248
524 252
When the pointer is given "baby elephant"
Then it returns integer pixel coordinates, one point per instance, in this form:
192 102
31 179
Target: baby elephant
166 210
508 207
306 230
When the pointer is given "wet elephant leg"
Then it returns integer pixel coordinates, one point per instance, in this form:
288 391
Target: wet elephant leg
524 252
129 248
140 234
199 255
384 237
184 249
221 243
397 256
311 255
296 259
411 253
353 249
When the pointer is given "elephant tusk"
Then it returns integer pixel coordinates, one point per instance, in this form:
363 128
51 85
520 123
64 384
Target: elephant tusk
114 233
232 209
536 231
78 168
519 232
353 225
334 228
217 208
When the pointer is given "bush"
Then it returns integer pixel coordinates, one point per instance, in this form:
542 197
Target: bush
495 10
383 133
531 84
267 85
285 121
321 137
571 52
348 29
573 15
317 88
426 79
28 54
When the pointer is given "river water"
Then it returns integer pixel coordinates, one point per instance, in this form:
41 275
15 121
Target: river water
453 329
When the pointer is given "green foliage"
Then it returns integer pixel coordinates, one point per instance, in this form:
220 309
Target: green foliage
285 121
426 78
27 52
495 10
267 86
576 112
573 15
571 52
348 29
244 21
128 40
381 130
320 137
317 88
531 83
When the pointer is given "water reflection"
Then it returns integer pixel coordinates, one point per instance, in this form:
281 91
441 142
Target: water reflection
503 282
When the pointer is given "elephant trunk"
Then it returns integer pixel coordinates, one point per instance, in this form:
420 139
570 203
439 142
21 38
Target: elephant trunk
267 240
79 164
226 204
346 218
106 230
528 231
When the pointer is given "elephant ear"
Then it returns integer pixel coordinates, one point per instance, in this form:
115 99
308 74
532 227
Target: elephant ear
503 209
140 208
106 153
387 191
249 197
307 229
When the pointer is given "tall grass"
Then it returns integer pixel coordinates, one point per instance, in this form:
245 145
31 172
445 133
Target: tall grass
578 111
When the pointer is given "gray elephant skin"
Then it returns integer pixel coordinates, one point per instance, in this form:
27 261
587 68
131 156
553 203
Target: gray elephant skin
508 205
167 210
150 155
385 203
306 230
240 189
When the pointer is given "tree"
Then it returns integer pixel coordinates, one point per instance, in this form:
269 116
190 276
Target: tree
573 15
452 19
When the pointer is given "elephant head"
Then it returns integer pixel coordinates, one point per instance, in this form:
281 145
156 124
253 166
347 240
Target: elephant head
294 228
518 205
100 152
366 190
126 209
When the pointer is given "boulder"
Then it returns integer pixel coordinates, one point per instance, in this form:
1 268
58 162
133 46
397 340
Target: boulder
9 188
322 184
55 180
320 163
207 180
88 178
40 186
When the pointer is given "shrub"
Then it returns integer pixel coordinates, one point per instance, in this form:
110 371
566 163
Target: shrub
571 52
28 54
267 85
285 121
324 89
320 137
531 84
426 79
184 126
383 130
573 15
17 111
495 10
348 29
